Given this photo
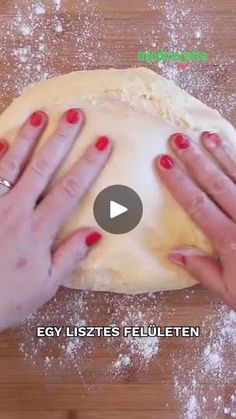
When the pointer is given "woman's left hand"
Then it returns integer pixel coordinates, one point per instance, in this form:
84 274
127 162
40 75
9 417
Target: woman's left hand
209 198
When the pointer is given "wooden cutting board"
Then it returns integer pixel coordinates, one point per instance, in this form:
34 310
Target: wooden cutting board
122 27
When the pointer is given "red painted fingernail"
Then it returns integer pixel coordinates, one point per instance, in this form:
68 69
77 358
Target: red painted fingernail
3 145
36 118
166 161
102 143
181 141
93 238
212 137
178 259
73 116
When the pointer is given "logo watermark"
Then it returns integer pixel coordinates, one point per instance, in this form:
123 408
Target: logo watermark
182 58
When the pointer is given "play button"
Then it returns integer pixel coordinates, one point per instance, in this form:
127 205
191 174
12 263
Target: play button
118 209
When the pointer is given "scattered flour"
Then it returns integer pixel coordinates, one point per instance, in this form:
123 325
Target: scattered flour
198 379
182 24
57 4
144 347
40 9
136 353
210 363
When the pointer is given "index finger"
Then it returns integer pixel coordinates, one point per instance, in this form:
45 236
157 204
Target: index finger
201 209
56 207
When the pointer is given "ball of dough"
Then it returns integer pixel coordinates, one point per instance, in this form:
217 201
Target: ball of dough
138 110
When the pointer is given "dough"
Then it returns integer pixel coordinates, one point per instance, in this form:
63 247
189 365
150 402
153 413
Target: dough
139 110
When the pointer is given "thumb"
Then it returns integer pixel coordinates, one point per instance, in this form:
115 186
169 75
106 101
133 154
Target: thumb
203 268
71 251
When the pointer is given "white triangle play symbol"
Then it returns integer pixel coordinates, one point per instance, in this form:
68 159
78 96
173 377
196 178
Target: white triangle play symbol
116 209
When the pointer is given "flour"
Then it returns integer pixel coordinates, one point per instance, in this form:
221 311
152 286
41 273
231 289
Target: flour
185 31
22 54
209 364
197 379
39 9
144 347
122 362
198 33
127 353
57 4
30 41
26 30
58 27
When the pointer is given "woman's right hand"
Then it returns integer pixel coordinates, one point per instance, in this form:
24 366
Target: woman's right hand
32 264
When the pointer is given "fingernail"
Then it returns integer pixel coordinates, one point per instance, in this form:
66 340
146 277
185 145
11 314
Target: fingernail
180 140
177 258
36 118
166 161
93 238
3 145
102 143
212 138
73 116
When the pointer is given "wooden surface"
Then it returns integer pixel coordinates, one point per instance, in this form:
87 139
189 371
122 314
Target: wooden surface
26 392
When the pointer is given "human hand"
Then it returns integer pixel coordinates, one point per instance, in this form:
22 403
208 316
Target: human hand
209 198
32 263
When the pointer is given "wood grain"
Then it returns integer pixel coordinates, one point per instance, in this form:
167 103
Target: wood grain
25 391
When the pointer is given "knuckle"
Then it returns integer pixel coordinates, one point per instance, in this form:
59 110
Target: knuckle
10 164
218 184
71 187
39 165
227 149
27 135
195 155
223 153
198 204
61 136
90 159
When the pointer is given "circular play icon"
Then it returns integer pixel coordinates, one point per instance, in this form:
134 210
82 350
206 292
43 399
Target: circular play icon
118 209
